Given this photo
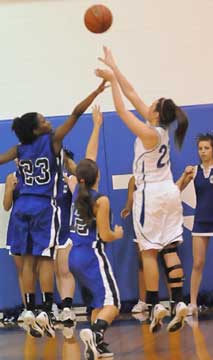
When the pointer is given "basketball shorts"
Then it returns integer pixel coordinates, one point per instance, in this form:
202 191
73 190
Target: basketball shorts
33 227
157 215
93 270
201 228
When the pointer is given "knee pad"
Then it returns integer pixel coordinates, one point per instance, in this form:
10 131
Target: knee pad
168 270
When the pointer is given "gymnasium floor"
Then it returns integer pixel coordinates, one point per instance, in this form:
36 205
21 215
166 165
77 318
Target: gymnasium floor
129 339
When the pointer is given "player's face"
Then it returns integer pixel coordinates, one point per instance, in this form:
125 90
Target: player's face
153 115
205 150
43 125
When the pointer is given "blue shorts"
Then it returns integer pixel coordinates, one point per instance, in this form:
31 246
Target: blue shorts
201 228
64 238
33 227
92 269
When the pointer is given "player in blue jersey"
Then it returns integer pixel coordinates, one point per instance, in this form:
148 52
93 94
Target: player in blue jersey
202 175
157 208
90 229
35 211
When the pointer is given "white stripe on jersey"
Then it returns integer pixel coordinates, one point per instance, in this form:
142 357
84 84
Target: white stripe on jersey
109 298
152 165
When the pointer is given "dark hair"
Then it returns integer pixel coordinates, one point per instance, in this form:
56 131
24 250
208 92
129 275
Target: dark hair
24 127
169 112
86 173
205 137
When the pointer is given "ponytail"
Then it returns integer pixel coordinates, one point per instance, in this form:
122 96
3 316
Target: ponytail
182 127
169 112
84 204
86 173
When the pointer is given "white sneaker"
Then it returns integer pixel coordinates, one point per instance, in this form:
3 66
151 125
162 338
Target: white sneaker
193 309
68 320
21 316
45 322
158 313
139 307
55 312
31 325
177 323
90 351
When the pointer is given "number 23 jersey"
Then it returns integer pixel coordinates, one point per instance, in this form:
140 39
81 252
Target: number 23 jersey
152 165
39 167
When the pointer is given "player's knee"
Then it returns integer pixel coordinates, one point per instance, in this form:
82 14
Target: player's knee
198 264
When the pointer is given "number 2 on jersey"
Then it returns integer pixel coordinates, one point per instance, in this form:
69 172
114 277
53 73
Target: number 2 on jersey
163 151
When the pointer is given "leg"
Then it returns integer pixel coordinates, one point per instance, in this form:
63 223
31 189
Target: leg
141 305
29 270
157 311
175 277
199 248
66 290
46 278
19 261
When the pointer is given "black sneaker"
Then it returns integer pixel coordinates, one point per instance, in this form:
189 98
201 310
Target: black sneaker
90 351
45 322
103 351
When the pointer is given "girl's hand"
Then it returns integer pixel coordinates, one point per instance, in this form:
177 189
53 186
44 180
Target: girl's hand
107 75
108 58
11 181
118 230
125 212
97 115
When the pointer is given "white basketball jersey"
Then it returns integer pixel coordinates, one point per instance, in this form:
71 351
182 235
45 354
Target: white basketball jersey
152 165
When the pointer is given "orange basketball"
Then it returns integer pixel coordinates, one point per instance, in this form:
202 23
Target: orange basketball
98 19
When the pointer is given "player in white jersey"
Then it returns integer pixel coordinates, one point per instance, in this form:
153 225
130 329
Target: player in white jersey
157 210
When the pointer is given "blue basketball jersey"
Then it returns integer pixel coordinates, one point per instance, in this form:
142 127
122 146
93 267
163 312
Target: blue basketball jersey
204 195
39 167
81 233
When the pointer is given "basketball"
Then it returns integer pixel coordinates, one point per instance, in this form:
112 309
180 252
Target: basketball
98 19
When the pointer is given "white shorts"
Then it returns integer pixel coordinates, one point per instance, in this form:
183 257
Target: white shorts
157 215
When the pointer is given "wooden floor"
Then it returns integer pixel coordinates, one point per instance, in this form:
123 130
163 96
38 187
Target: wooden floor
129 339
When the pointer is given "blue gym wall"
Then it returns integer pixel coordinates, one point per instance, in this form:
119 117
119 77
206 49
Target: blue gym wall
115 157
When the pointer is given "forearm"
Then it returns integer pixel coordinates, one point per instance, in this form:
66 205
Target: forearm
130 93
183 181
92 147
8 200
63 130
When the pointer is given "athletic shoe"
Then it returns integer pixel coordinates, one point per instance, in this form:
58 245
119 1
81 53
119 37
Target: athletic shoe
193 309
142 317
21 315
90 351
103 351
68 320
177 323
33 328
45 322
55 313
158 313
139 307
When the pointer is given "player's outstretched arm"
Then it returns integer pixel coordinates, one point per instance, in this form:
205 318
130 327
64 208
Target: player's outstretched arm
147 134
103 224
9 155
63 129
125 85
92 147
